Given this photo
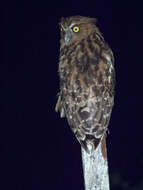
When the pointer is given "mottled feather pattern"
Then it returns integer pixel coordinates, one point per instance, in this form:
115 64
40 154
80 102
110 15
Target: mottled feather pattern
87 78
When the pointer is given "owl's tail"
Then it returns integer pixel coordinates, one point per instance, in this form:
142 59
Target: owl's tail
91 143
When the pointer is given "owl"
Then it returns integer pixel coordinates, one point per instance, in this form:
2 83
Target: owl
87 78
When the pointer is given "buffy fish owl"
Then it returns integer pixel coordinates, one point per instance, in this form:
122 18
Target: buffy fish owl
87 78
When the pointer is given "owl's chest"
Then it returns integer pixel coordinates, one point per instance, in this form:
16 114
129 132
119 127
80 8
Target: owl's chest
68 74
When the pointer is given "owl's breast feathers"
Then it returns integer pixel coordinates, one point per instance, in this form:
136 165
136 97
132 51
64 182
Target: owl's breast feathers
87 75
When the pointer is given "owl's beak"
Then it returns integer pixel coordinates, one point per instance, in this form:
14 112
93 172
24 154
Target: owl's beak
68 36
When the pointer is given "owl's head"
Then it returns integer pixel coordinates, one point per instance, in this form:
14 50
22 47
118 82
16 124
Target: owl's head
76 28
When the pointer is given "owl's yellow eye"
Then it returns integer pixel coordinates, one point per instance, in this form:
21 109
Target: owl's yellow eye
75 29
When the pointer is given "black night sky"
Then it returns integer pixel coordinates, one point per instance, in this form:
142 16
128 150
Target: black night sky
38 149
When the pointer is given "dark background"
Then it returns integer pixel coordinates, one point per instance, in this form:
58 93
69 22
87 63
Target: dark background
38 149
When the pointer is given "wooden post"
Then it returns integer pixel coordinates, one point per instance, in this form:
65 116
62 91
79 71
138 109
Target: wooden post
95 168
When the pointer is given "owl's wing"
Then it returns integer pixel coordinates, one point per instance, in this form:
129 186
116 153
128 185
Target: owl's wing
90 119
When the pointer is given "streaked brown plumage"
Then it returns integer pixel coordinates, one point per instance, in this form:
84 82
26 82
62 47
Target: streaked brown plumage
86 69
